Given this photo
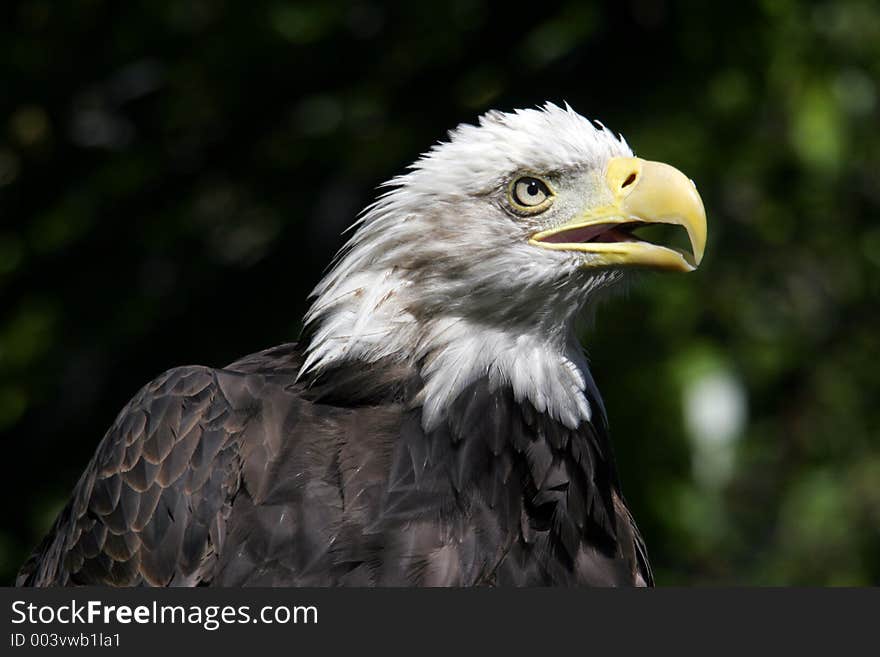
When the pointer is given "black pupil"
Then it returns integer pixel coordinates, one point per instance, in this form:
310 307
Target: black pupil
533 188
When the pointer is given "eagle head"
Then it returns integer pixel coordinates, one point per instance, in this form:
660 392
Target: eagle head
476 261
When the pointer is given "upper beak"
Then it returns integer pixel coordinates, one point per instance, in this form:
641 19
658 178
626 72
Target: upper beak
641 192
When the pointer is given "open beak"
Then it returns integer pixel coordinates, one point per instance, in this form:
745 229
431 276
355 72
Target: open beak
642 193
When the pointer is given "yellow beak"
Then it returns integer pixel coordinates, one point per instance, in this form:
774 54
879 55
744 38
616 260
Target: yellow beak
642 192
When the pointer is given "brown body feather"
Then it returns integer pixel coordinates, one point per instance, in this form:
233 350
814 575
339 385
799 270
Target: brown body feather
244 476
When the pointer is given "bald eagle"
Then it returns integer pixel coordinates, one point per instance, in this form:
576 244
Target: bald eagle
436 425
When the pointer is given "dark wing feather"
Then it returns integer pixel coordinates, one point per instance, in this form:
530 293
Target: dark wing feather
149 507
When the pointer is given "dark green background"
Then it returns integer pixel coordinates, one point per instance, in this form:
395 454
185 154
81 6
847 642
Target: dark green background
174 177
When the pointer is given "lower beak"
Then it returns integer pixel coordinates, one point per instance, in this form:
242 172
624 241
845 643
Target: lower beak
642 193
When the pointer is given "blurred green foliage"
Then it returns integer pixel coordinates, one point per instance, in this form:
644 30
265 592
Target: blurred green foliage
174 177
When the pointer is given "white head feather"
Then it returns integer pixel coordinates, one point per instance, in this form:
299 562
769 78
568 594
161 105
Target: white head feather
439 272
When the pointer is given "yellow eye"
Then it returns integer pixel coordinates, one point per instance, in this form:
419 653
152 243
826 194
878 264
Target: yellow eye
529 193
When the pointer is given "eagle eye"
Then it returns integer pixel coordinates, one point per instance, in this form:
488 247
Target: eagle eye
530 194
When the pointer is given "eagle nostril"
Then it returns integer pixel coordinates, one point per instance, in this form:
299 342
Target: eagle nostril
630 179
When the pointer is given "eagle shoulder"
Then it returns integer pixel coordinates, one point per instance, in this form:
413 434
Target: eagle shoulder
149 507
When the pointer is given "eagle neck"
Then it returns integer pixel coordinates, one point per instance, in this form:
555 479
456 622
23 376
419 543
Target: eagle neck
378 316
